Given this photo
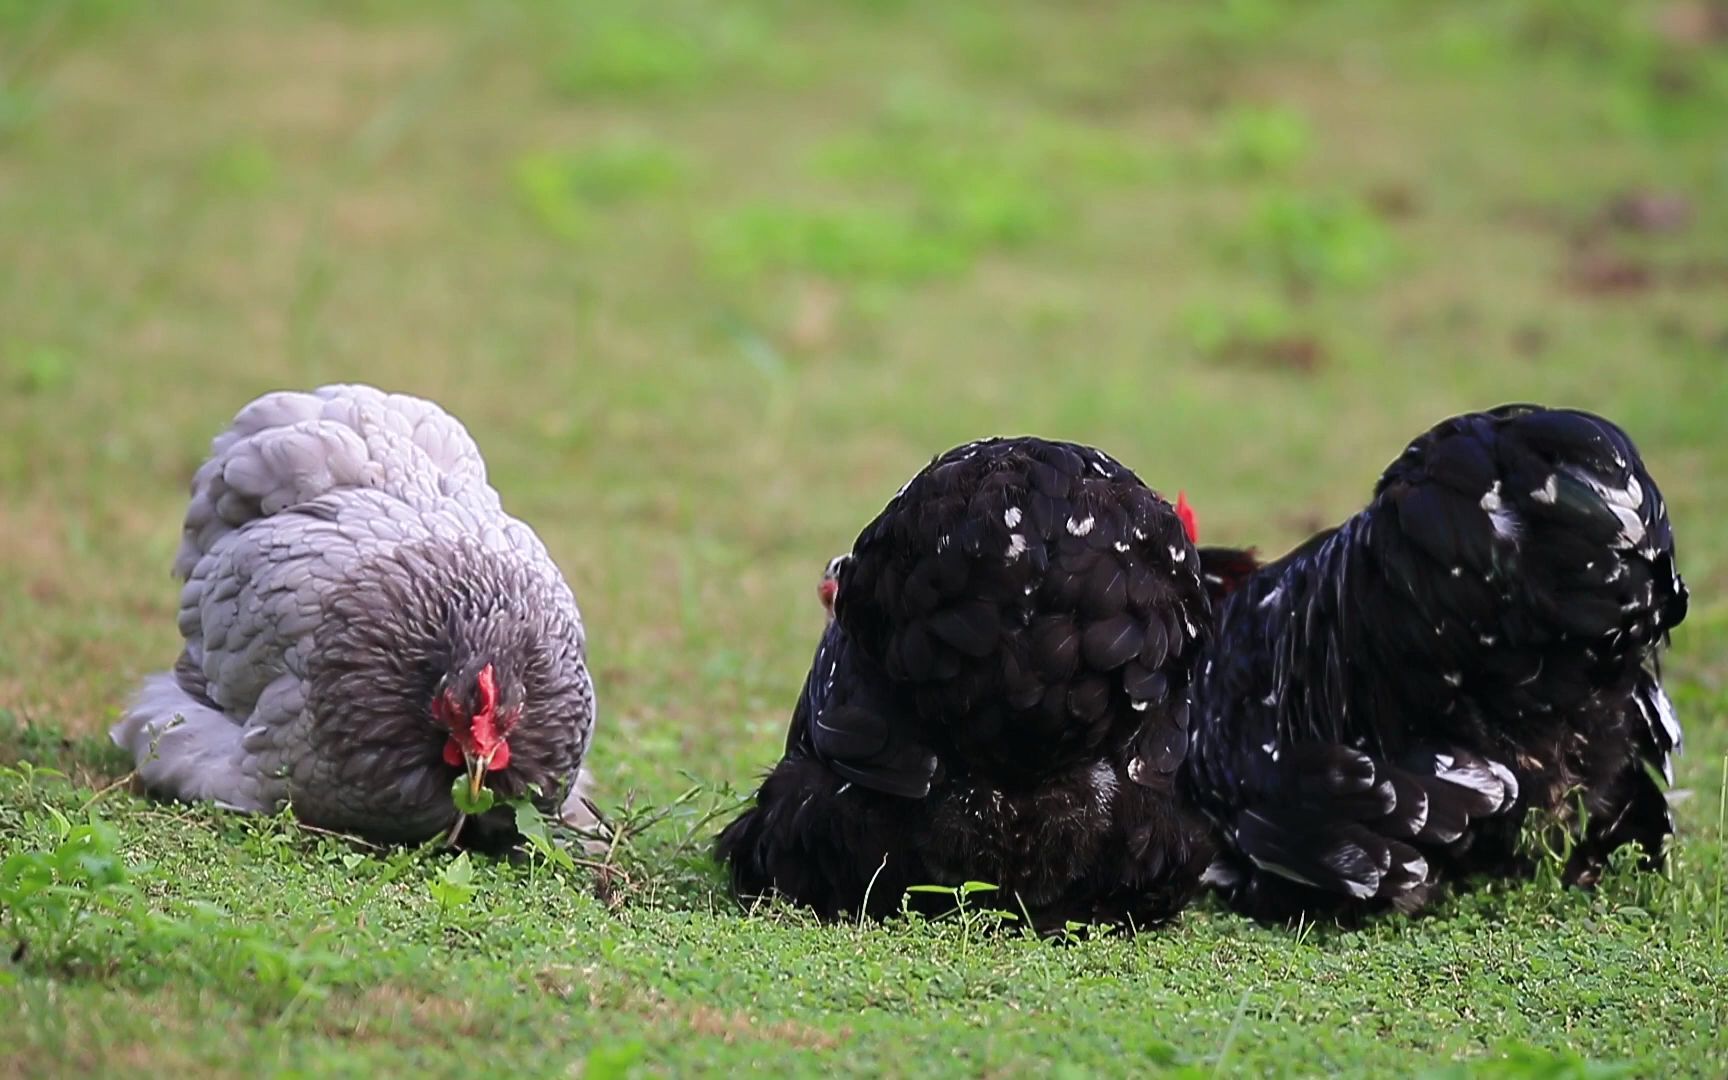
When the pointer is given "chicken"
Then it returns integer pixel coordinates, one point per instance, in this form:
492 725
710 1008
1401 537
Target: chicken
1000 694
364 625
1471 658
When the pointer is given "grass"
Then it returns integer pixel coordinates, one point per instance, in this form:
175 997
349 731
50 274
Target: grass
708 282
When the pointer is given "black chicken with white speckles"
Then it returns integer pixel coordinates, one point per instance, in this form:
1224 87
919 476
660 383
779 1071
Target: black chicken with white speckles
1000 695
1382 708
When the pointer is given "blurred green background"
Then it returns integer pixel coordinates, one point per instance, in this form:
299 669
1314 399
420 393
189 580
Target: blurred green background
708 281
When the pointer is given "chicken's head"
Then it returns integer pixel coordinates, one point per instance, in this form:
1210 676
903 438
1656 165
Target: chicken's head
828 590
479 724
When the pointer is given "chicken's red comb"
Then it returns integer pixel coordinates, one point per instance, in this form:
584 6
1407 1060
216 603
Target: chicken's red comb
485 728
1190 523
487 685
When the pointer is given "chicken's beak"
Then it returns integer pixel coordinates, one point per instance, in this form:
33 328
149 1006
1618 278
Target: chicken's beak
476 772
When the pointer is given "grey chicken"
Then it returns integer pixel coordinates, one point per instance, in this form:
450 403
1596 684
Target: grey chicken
363 626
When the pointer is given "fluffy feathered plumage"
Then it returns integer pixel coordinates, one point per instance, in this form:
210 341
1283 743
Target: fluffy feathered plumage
1001 695
358 614
1382 708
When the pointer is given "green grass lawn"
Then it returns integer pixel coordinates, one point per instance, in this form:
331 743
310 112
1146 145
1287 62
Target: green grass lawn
708 282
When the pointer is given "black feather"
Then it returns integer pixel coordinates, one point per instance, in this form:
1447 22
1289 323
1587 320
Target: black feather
970 626
1111 642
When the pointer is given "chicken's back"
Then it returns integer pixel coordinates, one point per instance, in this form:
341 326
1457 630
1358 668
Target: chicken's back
1038 602
1525 566
289 447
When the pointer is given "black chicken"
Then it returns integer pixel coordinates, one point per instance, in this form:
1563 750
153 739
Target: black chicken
1385 707
1001 695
